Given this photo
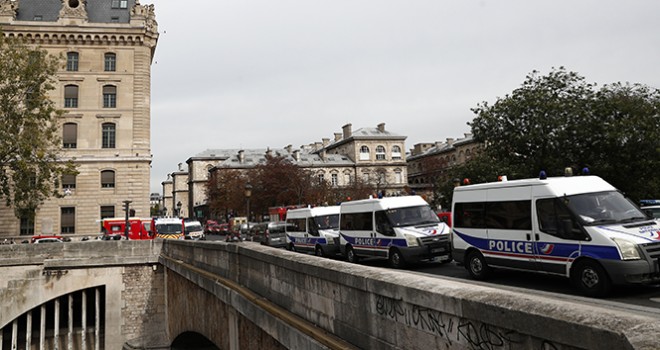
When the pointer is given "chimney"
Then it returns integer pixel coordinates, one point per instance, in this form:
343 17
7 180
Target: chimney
326 141
337 136
381 127
347 130
322 155
450 141
467 135
269 152
317 146
296 155
288 148
180 166
438 144
241 156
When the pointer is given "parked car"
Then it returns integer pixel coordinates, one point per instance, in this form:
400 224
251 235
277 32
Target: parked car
214 228
269 233
47 239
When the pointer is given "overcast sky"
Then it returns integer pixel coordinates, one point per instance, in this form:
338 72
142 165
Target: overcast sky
269 73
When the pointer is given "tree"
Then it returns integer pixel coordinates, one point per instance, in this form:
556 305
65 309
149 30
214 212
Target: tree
31 165
555 121
225 190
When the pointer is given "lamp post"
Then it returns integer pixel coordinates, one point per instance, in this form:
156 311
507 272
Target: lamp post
178 209
248 194
126 222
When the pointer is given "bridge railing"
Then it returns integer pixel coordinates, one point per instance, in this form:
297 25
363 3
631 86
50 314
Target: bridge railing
371 307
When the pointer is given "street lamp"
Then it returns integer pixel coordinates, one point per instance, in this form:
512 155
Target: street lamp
248 194
126 222
178 209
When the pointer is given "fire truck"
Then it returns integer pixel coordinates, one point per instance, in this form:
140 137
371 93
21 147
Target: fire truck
169 228
139 228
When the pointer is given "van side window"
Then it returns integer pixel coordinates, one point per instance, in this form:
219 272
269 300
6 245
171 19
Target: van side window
555 219
470 215
509 215
312 227
356 221
296 225
383 225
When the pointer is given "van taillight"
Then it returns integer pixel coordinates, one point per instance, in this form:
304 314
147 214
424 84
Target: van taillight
267 233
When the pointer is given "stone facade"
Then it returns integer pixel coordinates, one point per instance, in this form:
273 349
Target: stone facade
428 162
339 162
104 87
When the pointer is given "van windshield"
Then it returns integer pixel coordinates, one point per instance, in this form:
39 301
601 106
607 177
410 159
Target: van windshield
194 227
603 208
327 222
412 216
168 228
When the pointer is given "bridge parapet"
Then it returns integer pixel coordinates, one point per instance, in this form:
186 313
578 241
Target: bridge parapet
375 308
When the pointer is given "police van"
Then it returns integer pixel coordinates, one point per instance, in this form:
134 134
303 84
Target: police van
400 229
579 227
313 230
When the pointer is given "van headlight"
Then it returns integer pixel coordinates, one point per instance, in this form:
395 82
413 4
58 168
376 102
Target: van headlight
411 240
627 248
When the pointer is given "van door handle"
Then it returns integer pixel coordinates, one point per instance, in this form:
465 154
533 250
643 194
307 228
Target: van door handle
529 237
538 238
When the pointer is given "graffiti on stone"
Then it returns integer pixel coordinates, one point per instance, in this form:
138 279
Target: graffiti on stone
470 333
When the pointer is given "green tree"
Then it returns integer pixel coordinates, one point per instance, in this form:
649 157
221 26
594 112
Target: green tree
559 120
31 165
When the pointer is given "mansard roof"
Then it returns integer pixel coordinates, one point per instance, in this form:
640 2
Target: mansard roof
98 11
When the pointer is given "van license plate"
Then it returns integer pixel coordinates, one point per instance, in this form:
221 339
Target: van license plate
275 239
437 250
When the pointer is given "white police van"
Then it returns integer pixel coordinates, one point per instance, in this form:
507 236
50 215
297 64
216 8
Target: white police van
400 229
579 227
313 230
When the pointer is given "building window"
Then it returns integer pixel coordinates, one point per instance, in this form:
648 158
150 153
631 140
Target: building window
107 211
364 153
71 96
27 222
398 178
334 180
68 220
380 153
109 135
107 179
321 178
109 96
72 61
119 4
347 178
68 182
70 135
396 152
110 62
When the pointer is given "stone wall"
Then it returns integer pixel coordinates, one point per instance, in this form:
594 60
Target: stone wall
375 308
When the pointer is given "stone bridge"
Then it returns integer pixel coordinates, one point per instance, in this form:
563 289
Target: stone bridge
182 294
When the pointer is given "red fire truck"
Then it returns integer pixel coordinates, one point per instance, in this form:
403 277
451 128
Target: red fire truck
139 228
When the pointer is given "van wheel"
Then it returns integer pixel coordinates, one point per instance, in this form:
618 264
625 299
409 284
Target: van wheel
350 255
396 259
476 266
319 252
591 279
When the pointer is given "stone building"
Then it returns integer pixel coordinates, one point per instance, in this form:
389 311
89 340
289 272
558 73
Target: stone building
372 155
428 163
104 83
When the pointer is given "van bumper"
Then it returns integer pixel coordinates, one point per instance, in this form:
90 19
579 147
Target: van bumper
632 271
425 252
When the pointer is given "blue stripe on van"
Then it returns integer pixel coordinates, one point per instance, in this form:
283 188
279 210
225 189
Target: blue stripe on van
375 243
550 251
307 241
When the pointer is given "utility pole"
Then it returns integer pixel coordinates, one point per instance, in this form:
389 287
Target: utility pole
127 210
